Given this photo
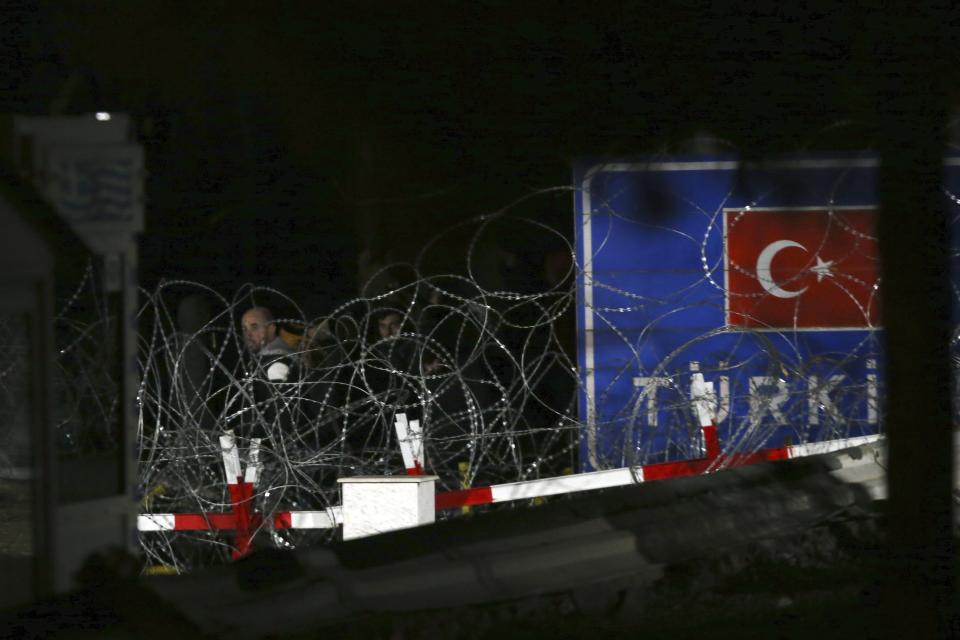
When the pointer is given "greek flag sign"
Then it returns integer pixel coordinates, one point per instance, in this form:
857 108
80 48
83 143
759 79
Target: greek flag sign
97 184
764 279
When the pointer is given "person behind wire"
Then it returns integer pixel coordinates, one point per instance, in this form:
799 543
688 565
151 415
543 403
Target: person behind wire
270 411
270 351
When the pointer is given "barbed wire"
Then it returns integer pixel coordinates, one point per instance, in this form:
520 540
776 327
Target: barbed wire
488 370
483 370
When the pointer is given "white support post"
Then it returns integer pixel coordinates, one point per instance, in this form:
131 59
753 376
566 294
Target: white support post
231 457
704 399
376 504
252 472
416 445
706 407
410 438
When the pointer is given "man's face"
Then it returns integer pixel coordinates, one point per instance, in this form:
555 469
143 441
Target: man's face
389 325
256 330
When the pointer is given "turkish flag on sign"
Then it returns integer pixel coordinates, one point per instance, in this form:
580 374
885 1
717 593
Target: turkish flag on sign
802 268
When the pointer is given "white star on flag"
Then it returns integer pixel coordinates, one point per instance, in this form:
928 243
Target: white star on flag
822 269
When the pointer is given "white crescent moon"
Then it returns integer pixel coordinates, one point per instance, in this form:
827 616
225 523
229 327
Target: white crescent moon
763 268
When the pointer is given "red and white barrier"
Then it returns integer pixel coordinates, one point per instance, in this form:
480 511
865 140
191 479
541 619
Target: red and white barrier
638 474
326 519
242 519
705 404
364 513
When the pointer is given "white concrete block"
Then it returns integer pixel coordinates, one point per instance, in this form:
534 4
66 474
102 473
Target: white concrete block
376 504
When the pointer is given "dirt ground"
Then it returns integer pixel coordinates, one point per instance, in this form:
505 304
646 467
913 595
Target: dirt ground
15 531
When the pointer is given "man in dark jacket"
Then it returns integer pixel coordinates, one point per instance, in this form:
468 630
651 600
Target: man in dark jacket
264 343
270 372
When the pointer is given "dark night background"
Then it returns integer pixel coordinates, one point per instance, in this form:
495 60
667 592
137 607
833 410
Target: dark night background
287 142
292 144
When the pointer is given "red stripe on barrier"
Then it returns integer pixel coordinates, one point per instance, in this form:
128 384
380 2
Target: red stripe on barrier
241 498
664 470
712 442
464 498
283 520
204 522
745 459
417 470
782 453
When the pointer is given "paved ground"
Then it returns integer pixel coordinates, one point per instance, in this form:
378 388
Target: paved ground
16 544
816 584
820 584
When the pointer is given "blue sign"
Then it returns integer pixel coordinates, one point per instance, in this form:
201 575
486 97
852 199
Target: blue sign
764 279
